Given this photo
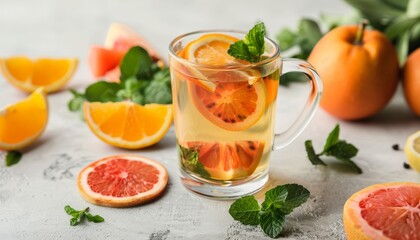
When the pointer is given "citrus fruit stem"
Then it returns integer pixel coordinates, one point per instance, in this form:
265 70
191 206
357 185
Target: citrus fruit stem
360 31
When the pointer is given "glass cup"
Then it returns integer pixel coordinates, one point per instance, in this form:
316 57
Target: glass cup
224 116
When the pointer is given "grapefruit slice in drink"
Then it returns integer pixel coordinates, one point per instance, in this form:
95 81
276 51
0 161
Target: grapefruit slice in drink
122 181
384 211
228 160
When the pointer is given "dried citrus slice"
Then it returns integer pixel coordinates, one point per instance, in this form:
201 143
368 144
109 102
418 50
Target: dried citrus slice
122 181
233 106
412 150
23 122
127 124
384 211
27 75
228 161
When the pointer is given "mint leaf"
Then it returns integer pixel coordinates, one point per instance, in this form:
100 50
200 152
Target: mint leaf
159 89
271 222
252 47
342 150
313 157
12 158
189 158
95 219
286 39
245 210
136 63
332 137
73 221
296 196
76 103
274 197
103 92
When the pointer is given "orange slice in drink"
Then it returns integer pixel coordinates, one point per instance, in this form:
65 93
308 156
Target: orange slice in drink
23 122
228 161
122 181
384 211
127 124
28 75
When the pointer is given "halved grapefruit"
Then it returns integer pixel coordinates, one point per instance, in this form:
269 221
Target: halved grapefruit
228 160
102 60
384 211
122 181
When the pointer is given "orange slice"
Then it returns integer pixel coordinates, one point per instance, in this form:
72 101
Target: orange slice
23 122
127 124
28 75
122 181
384 211
228 161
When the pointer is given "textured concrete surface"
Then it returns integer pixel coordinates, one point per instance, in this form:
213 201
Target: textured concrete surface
34 192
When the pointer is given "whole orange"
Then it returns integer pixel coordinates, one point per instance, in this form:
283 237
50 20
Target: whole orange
359 71
411 81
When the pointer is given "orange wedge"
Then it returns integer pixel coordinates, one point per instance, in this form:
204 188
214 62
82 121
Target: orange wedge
127 124
28 75
23 122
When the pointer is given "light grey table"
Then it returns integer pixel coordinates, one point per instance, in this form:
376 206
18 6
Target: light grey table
34 192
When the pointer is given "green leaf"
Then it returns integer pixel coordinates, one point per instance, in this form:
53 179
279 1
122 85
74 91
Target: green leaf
103 92
189 158
95 219
377 9
69 210
343 150
286 39
74 221
309 29
332 137
159 89
136 63
401 25
252 47
351 164
12 158
275 197
271 222
402 46
76 103
245 210
296 196
315 160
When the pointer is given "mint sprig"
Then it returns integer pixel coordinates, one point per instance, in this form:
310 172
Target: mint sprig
251 47
79 216
142 81
12 158
189 158
279 202
334 147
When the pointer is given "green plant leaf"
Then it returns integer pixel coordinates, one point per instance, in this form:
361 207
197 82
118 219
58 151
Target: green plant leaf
274 197
102 92
351 164
296 196
189 158
73 221
286 39
402 46
245 210
136 63
309 29
401 25
343 150
159 89
271 222
95 219
312 156
252 47
332 137
12 158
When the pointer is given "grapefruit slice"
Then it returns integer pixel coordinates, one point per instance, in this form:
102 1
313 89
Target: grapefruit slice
50 73
384 211
122 181
128 124
102 60
121 37
228 161
23 122
233 106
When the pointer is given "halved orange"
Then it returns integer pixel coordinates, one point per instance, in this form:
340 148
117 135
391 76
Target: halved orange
384 211
128 124
122 181
27 75
23 122
228 160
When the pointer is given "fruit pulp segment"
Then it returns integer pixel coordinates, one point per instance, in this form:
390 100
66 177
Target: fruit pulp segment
228 146
399 208
112 177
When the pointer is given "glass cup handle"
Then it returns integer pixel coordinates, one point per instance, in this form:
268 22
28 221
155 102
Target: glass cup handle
297 65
